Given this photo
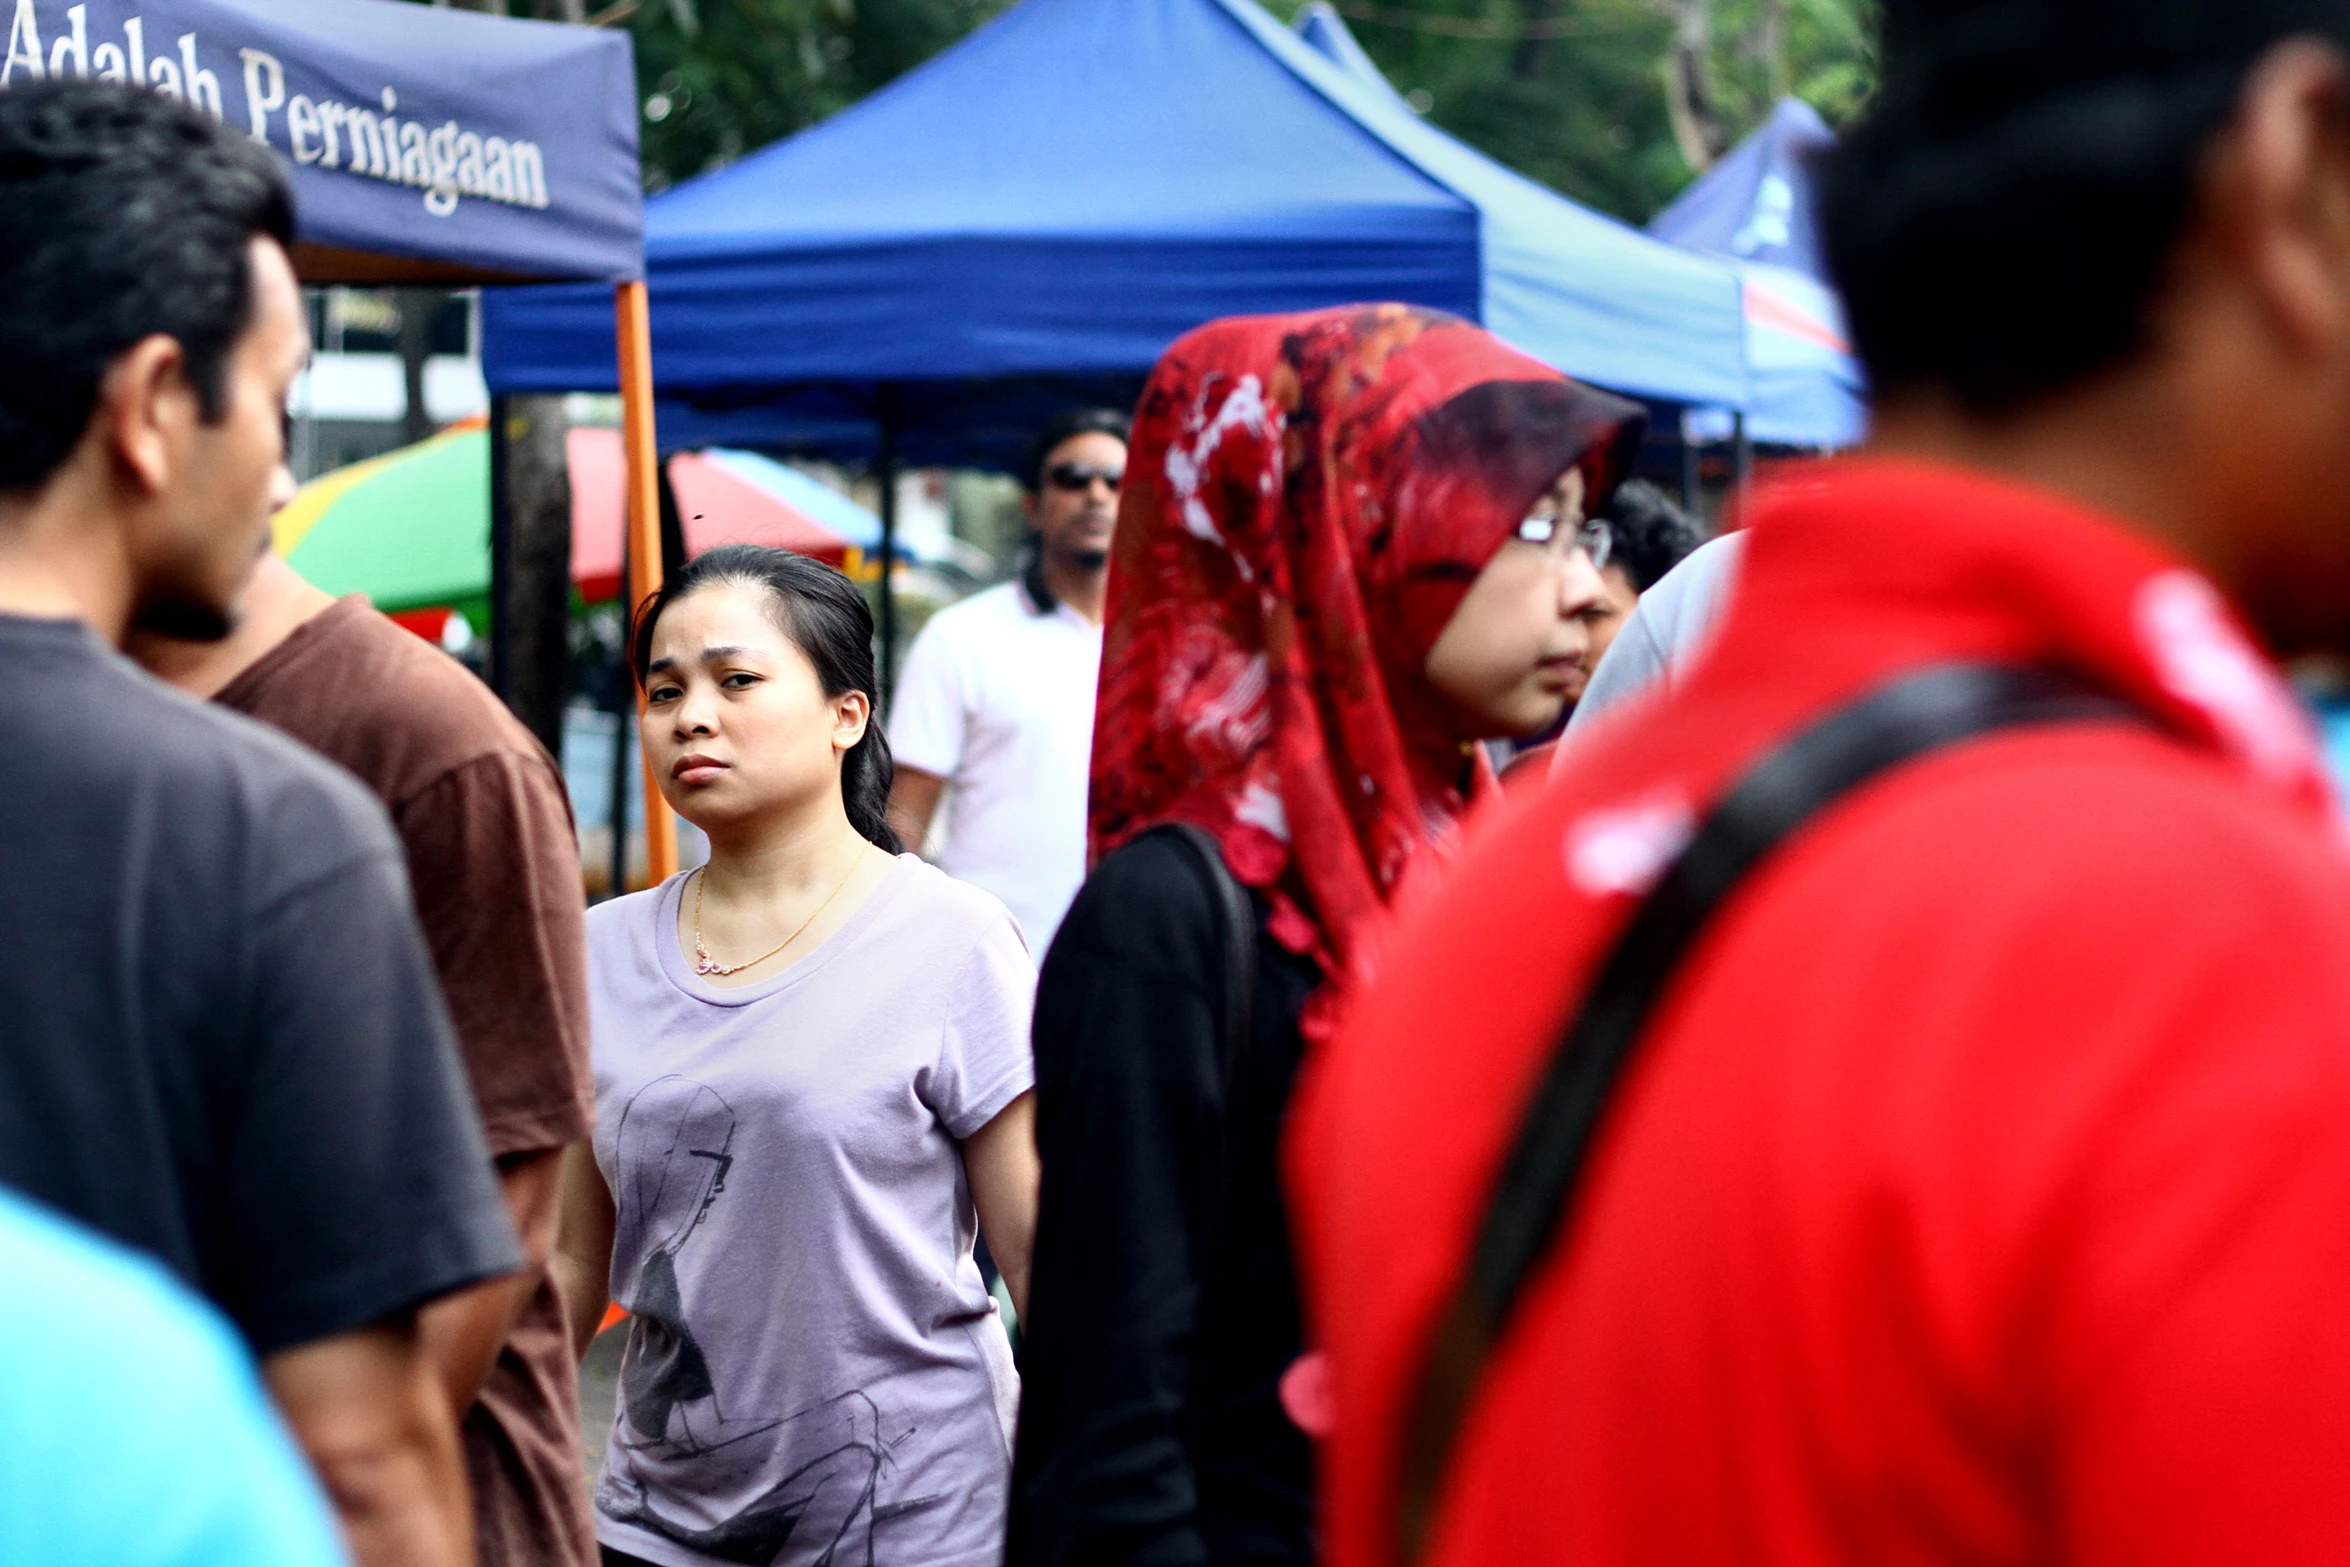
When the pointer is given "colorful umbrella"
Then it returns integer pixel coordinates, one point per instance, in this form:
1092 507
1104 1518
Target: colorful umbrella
411 529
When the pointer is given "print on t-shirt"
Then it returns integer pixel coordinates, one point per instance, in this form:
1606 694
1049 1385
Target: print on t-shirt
676 1137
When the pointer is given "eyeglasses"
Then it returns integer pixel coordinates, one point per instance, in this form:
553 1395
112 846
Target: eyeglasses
1076 477
1593 537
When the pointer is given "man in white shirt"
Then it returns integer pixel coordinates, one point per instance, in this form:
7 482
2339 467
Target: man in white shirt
994 710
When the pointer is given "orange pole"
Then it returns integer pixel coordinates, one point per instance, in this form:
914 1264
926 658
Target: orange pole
635 322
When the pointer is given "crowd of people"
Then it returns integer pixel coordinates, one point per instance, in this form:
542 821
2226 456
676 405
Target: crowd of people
1871 1084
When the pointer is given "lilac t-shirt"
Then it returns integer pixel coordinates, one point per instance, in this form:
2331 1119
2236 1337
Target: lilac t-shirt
814 1370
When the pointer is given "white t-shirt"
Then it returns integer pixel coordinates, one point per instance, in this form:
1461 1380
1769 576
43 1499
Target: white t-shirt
998 700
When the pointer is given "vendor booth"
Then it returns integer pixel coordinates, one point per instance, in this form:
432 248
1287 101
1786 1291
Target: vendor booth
1754 209
917 278
427 146
1319 24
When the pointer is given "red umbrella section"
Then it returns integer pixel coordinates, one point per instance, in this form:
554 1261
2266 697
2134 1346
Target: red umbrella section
715 505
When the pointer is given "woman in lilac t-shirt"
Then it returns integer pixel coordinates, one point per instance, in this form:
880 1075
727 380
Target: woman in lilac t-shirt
813 1089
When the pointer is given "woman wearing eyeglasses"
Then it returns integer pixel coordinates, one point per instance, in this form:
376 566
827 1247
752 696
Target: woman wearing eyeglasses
1353 545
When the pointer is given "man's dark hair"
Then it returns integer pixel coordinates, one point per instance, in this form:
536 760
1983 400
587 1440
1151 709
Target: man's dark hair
1065 425
1651 534
2001 223
123 215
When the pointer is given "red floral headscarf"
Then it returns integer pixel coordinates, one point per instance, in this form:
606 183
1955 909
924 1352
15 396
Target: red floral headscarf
1308 499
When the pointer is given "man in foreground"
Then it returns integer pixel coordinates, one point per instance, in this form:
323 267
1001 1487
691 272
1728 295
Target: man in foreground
494 862
1973 1191
202 1477
995 708
220 1039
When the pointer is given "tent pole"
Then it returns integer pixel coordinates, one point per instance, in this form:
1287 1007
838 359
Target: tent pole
1745 449
633 317
1692 481
885 472
501 660
623 714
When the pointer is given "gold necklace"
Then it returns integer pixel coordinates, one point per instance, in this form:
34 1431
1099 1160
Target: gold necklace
705 964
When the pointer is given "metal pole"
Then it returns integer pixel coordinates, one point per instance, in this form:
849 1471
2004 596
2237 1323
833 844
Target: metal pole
501 662
623 715
1692 481
1745 457
633 318
885 471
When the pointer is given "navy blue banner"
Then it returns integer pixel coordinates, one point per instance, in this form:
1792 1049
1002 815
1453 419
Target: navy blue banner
412 132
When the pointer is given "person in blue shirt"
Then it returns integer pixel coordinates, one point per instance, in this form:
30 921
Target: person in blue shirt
133 1431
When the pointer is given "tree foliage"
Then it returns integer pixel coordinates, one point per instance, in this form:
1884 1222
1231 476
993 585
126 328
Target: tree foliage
1614 102
1617 103
723 76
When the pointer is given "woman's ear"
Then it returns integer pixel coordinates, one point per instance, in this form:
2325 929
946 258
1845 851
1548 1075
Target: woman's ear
852 711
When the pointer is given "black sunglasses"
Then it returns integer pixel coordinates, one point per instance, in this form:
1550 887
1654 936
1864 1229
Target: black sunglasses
1076 477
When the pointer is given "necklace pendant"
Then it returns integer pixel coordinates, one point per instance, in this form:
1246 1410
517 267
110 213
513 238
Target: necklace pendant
702 963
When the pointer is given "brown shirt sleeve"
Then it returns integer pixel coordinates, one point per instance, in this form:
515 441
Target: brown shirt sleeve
495 865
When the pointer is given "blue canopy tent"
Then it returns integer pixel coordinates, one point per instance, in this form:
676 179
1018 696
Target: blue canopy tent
1755 209
1320 25
870 288
426 146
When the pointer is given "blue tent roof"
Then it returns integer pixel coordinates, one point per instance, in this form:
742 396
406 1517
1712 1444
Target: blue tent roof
1067 191
1756 204
471 145
1320 25
1755 208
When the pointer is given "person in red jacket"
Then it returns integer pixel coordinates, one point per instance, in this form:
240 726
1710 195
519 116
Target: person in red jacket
1978 1188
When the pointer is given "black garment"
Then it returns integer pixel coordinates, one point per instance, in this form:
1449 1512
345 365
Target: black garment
220 1036
1157 1331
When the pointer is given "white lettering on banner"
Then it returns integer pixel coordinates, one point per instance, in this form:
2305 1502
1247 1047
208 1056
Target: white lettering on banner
265 89
203 87
75 45
367 143
447 162
24 44
301 125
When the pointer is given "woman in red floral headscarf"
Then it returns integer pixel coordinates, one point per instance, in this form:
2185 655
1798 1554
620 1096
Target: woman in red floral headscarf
1352 543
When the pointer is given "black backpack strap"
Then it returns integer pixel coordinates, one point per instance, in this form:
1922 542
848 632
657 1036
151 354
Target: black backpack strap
1914 716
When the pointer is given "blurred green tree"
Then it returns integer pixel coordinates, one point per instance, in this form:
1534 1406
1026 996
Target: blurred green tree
1617 103
720 77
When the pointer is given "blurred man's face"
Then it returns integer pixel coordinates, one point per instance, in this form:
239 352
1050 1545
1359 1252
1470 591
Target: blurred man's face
1076 507
194 546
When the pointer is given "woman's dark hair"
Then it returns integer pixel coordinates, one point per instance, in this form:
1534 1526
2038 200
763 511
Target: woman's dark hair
828 620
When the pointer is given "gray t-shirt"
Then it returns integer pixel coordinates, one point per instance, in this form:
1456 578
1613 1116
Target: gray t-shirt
220 1037
1670 625
814 1371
